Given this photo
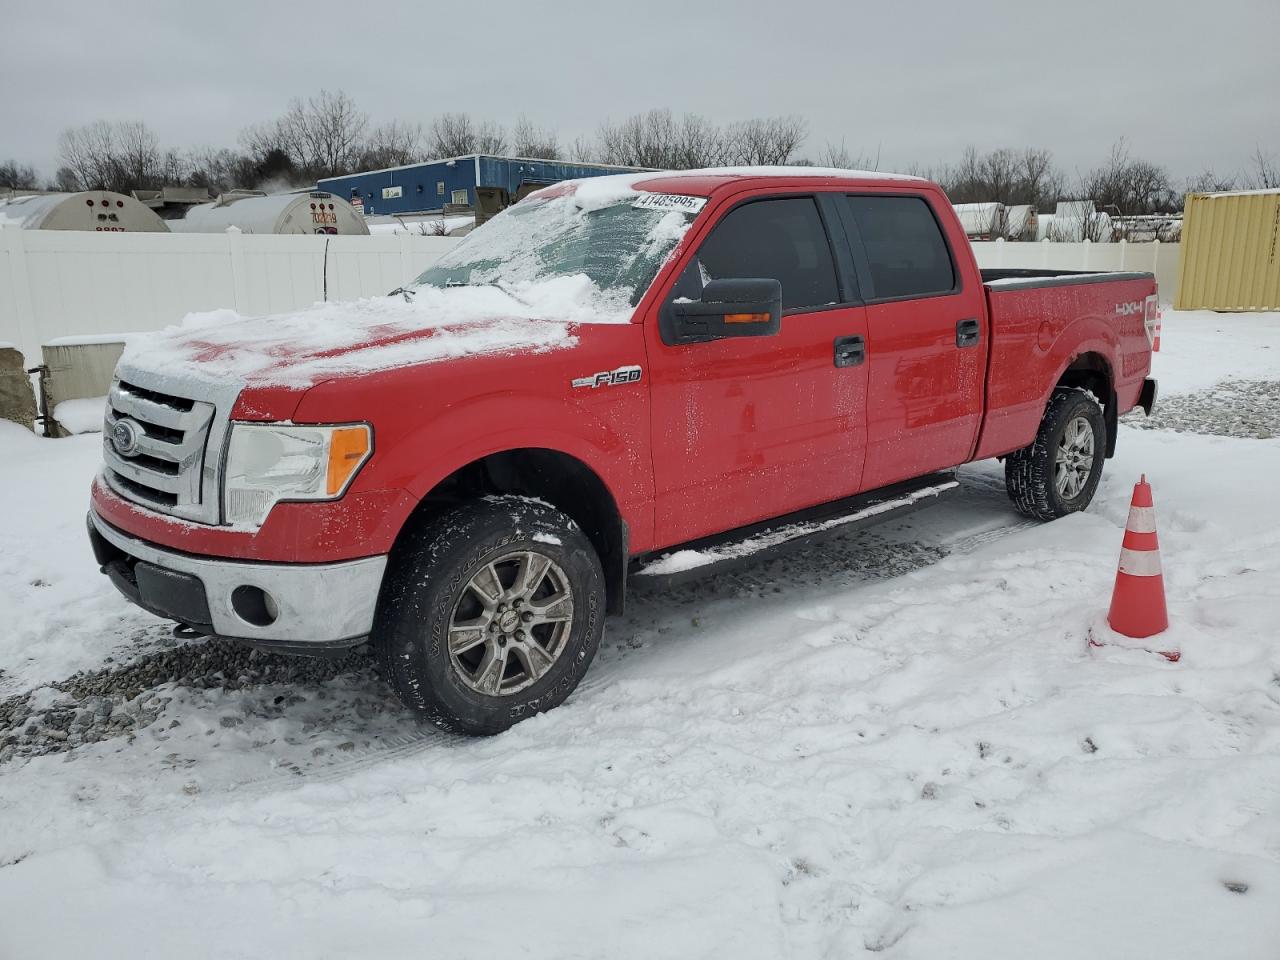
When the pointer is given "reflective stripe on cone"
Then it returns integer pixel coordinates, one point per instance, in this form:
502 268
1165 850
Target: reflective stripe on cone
1140 563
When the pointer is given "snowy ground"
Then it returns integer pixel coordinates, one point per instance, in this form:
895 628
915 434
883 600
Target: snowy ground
897 742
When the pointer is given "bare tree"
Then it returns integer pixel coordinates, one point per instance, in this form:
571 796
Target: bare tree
696 142
528 140
1266 171
116 156
1209 181
1131 186
661 140
764 141
16 176
392 144
220 169
490 138
326 132
323 135
839 155
1038 182
1003 176
456 134
583 149
643 140
86 154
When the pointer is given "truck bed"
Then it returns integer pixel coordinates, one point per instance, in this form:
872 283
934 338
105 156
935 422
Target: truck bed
1045 321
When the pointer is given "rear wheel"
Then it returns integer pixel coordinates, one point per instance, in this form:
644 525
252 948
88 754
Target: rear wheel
1059 473
490 613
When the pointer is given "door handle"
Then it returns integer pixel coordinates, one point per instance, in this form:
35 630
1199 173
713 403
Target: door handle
850 351
967 333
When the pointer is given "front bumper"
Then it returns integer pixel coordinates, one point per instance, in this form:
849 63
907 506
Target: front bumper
308 606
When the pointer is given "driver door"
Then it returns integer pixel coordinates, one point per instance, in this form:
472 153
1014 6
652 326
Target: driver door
749 428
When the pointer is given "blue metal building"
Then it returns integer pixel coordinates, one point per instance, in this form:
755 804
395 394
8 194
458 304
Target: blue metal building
427 187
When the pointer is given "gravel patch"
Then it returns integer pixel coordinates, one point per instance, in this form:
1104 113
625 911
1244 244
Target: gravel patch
119 701
1232 408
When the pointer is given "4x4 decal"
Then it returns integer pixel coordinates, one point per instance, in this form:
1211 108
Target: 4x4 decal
610 378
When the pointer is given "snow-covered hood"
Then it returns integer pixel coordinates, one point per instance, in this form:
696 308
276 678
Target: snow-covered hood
298 350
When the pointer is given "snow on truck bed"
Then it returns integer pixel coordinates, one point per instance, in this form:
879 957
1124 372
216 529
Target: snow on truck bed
894 744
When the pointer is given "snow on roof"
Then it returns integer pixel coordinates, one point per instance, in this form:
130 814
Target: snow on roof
28 210
784 171
600 191
88 339
1242 193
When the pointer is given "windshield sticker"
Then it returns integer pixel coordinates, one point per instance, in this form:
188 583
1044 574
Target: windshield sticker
669 201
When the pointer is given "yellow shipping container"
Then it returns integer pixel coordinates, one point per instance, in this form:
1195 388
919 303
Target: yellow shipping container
1231 251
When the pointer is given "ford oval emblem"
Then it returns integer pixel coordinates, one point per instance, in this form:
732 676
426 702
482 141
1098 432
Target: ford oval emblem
124 437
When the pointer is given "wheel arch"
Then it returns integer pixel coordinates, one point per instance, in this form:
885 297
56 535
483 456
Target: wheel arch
1092 371
558 478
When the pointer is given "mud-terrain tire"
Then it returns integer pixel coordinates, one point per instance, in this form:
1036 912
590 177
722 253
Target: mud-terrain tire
489 614
1059 472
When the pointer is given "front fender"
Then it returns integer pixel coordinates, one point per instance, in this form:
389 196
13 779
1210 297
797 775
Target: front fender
608 433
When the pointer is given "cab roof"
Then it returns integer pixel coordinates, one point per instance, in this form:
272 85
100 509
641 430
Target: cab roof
704 182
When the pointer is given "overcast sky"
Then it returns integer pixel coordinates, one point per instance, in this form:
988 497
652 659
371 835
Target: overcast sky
1190 85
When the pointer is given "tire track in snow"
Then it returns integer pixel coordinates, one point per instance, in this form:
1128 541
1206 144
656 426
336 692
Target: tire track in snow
418 741
844 562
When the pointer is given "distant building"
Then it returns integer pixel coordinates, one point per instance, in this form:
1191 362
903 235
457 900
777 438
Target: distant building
435 184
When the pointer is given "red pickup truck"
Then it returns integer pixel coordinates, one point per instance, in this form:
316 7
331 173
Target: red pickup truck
648 375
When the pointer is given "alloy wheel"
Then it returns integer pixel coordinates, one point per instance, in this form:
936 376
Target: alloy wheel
510 623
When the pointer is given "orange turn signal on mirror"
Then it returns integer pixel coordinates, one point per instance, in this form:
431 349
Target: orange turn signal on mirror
746 318
349 447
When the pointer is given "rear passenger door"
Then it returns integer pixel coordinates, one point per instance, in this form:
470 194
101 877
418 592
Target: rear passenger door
926 338
749 428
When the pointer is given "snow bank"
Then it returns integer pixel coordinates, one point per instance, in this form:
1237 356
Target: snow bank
81 416
419 225
61 615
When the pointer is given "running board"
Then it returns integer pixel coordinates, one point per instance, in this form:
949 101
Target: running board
716 554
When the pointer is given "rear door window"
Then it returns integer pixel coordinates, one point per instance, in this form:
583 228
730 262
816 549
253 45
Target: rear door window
906 251
782 239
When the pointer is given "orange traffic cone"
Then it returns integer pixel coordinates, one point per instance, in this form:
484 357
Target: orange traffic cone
1137 603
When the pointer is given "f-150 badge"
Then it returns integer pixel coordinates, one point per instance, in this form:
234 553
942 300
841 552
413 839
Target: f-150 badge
610 378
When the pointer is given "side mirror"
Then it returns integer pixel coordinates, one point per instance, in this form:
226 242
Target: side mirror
728 308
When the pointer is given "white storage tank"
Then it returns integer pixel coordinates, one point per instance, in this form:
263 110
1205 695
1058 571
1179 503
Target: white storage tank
315 212
1020 222
101 211
981 221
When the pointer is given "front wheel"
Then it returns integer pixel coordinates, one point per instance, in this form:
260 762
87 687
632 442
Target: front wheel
1059 472
490 613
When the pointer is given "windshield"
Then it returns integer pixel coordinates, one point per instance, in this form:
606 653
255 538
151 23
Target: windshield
617 247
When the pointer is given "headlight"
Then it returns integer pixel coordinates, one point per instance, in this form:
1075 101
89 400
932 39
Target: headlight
268 462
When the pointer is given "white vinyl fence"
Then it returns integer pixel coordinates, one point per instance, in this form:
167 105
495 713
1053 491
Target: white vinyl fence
58 283
1162 259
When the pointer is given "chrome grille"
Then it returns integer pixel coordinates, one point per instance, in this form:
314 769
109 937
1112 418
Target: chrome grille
156 457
